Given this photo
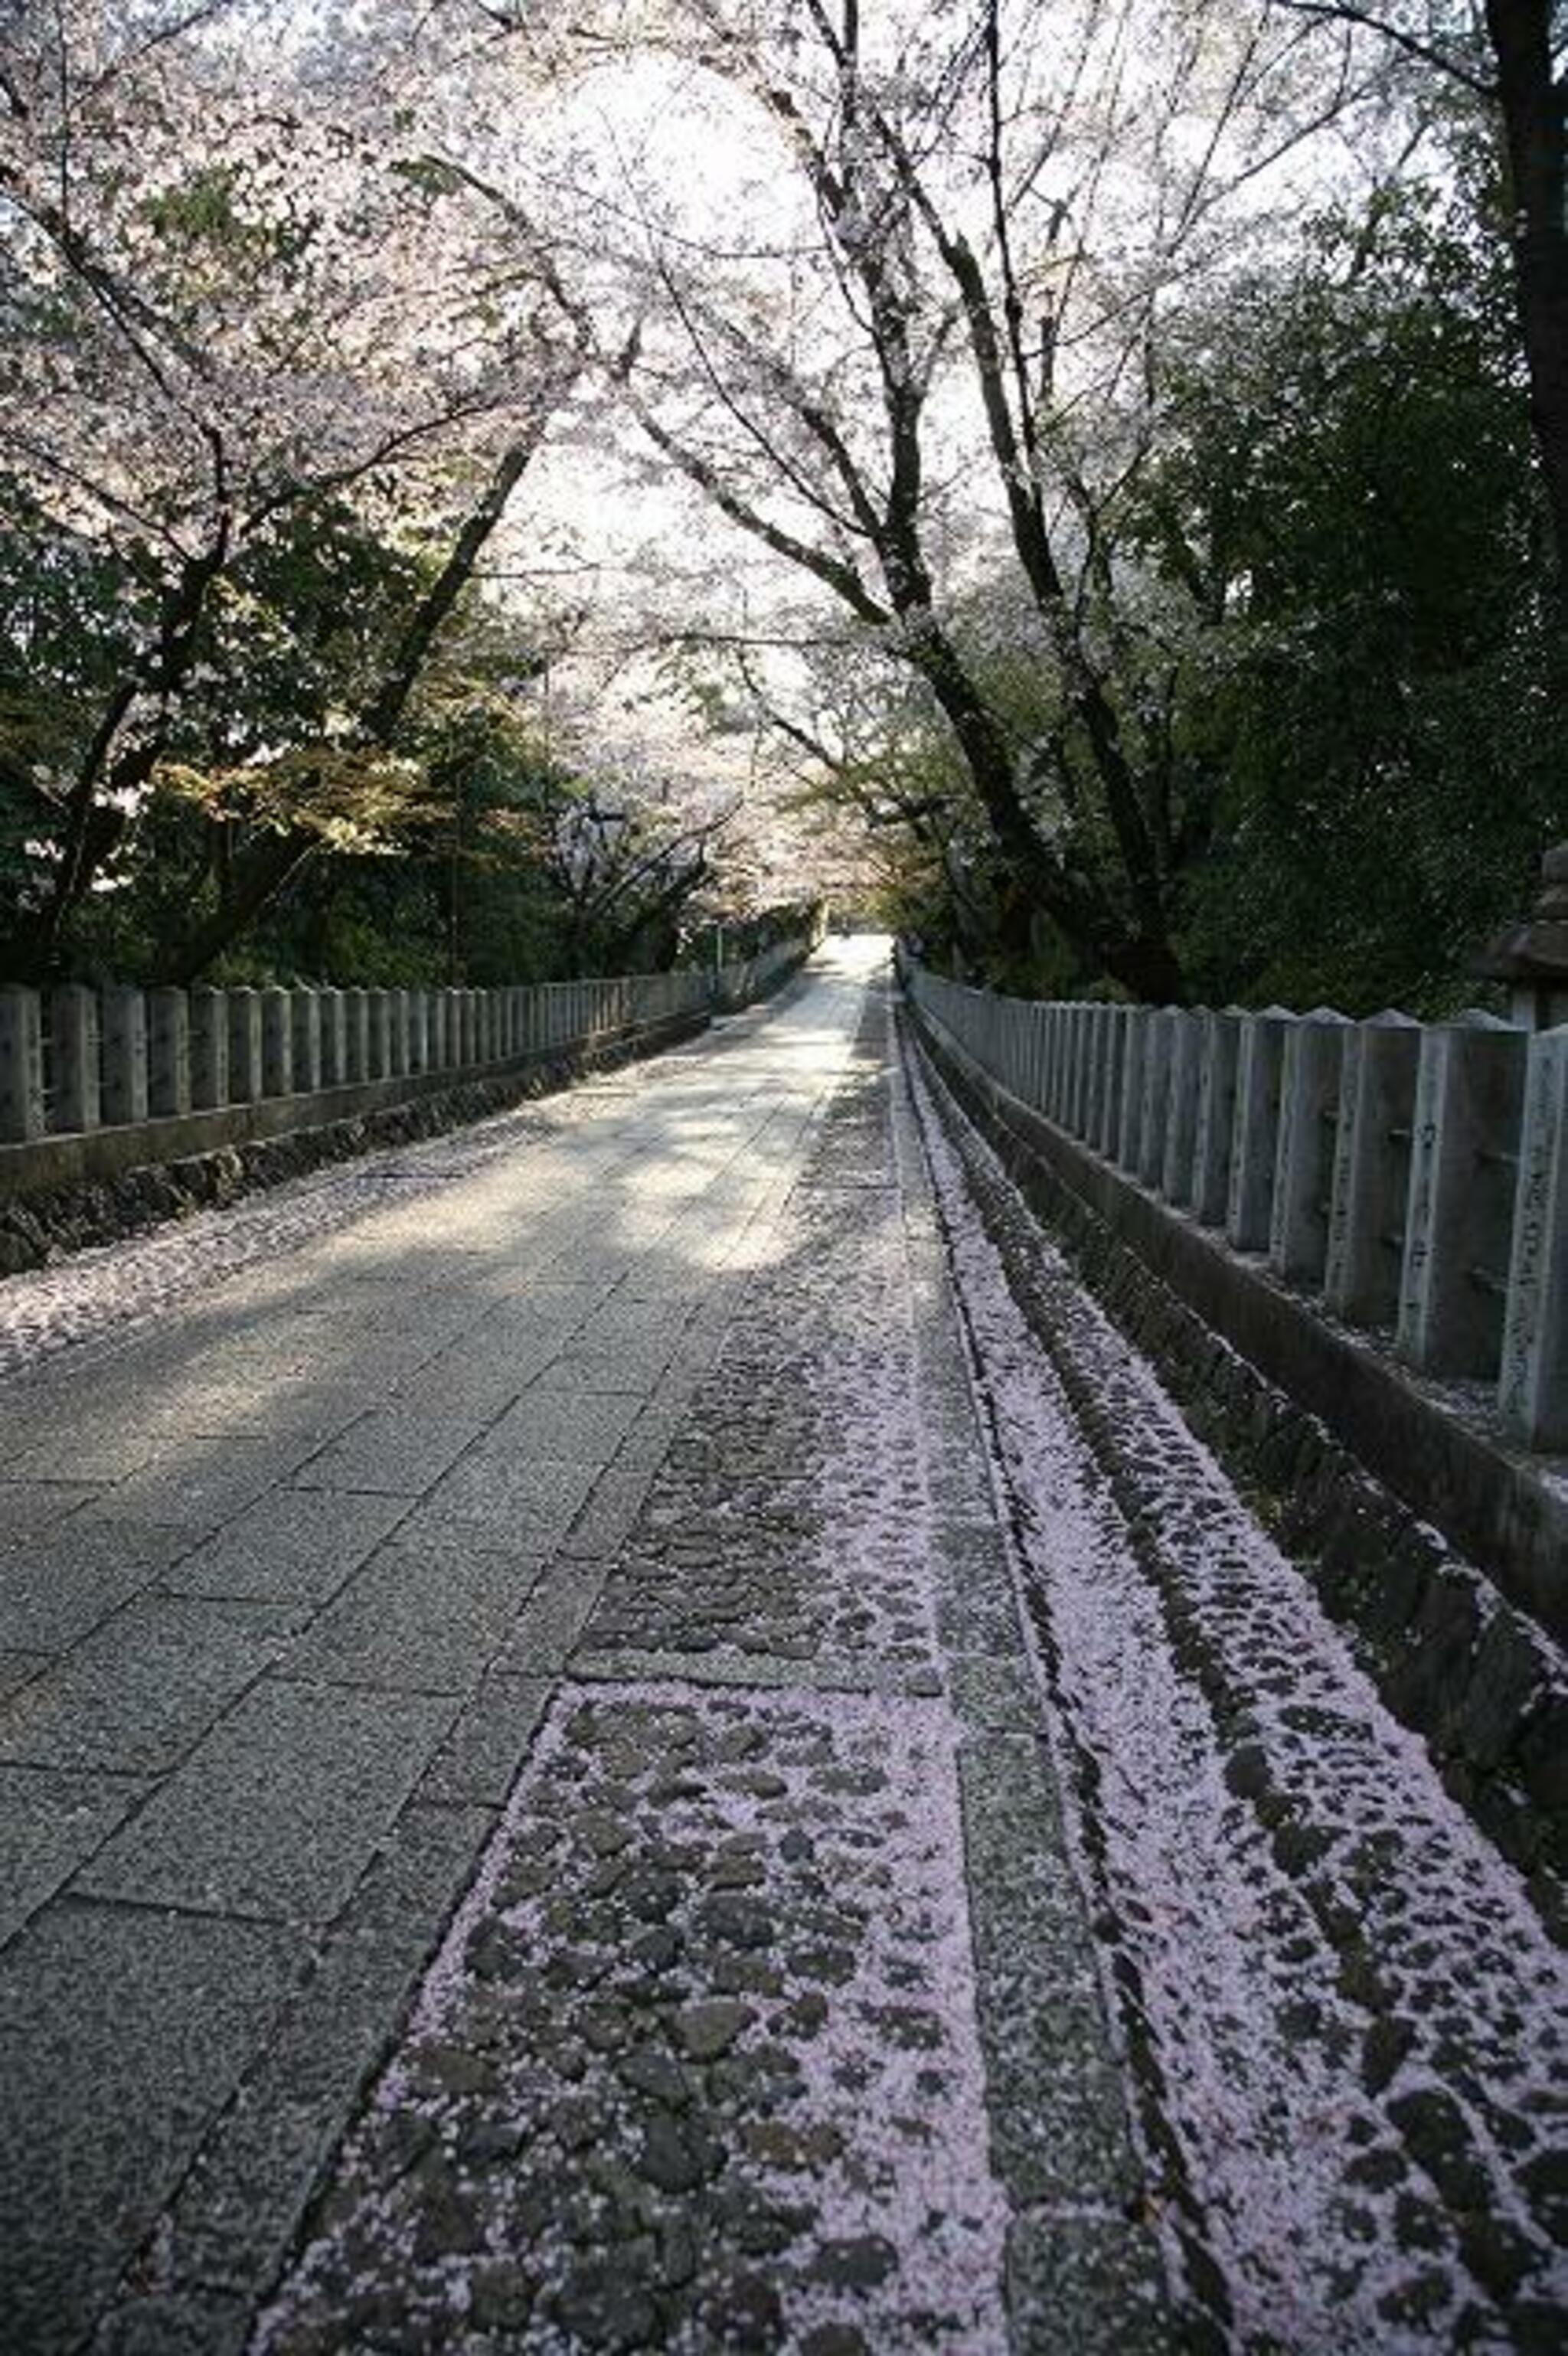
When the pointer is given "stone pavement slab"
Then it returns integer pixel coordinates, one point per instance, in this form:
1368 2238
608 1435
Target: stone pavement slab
122 2033
50 1821
292 1546
231 2220
28 1506
17 1669
393 1454
141 1688
277 1812
421 1616
478 1762
57 1586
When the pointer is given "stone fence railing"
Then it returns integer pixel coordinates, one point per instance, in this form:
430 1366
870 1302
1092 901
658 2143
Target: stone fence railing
1410 1179
176 1068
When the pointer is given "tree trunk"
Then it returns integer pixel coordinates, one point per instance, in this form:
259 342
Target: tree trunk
1535 124
255 884
1139 955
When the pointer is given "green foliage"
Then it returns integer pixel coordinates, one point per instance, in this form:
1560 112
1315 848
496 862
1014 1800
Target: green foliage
1346 503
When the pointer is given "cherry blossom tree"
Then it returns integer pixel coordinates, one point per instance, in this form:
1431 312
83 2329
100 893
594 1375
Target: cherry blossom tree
229 305
906 331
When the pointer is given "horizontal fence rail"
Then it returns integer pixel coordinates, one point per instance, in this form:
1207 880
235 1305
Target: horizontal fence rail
75 1061
1412 1178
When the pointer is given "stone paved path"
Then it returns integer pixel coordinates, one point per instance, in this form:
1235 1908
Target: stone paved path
589 1761
638 1457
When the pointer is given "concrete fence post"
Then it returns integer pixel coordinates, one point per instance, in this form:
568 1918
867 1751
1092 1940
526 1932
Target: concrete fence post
1040 1018
124 1057
1067 1080
1094 1080
397 1033
304 1040
1216 1116
1304 1163
277 1044
208 1049
1108 1125
1061 1061
1254 1145
1061 1084
1045 1054
356 1031
1018 1046
1178 1175
1135 1059
419 1029
378 1008
331 1027
76 1098
1372 1169
1000 1062
1532 1388
21 1065
1099 1045
1084 1068
1084 1085
1159 1052
244 1046
1469 1105
168 1053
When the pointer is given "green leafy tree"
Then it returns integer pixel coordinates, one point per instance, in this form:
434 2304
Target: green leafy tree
1346 520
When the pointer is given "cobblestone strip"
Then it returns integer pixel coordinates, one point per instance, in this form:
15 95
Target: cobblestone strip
1349 2021
700 2065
